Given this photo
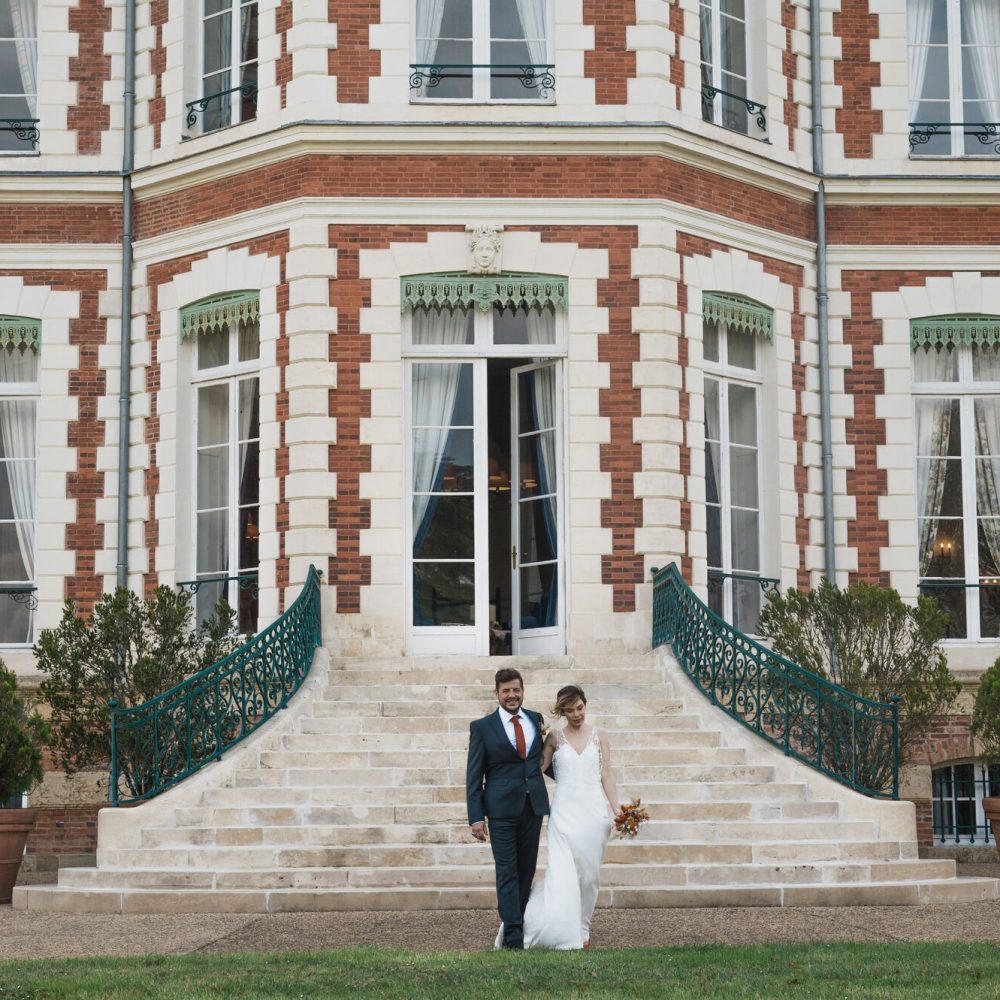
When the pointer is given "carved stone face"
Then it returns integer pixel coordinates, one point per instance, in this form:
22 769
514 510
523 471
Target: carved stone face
485 249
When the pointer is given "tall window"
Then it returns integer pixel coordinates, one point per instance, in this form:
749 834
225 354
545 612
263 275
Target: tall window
732 458
957 793
482 50
957 443
954 77
725 68
18 74
227 459
18 454
229 63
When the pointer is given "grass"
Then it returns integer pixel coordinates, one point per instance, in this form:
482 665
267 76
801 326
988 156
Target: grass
898 971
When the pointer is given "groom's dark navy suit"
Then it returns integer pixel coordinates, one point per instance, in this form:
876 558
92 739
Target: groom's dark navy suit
510 793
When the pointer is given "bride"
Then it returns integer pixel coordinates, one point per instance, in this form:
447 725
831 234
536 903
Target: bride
561 905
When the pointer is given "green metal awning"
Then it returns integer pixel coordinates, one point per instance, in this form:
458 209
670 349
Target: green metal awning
450 291
738 312
950 331
20 332
212 314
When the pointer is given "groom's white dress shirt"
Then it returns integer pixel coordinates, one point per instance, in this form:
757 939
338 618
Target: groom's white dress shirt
527 726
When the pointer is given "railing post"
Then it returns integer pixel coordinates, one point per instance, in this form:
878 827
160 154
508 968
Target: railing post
113 779
894 700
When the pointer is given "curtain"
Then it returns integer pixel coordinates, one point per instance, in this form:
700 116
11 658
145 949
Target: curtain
984 24
532 15
933 431
428 29
988 474
920 14
17 433
24 16
435 388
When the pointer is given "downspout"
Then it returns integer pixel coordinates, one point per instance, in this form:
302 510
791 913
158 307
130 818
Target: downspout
822 294
125 361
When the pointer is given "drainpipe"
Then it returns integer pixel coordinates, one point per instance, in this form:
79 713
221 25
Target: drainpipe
822 295
125 361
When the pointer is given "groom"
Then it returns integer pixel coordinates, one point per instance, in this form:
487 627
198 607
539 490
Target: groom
504 785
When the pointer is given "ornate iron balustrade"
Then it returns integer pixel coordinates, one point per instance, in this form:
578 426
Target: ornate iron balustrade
956 798
157 744
709 93
716 578
25 129
246 581
987 133
198 107
20 594
851 739
532 75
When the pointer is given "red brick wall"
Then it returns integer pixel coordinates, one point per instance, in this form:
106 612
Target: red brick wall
64 830
856 74
609 64
790 67
948 741
84 484
910 225
66 223
443 176
158 10
275 245
352 62
676 22
283 64
89 70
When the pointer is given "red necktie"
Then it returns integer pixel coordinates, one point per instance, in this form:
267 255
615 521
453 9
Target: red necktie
522 750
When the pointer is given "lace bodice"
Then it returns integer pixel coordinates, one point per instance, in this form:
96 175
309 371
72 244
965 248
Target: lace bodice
572 768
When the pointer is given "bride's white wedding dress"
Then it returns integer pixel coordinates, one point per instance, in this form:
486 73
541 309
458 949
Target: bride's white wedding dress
561 905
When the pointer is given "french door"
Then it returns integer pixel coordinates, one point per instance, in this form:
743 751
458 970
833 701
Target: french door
465 490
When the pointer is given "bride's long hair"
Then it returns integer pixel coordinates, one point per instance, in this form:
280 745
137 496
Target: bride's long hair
567 696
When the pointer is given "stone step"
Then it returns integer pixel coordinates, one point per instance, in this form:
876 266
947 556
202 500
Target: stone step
459 741
612 875
544 679
116 900
366 705
359 723
366 758
529 666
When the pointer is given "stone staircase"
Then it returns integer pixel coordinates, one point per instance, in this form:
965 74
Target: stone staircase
353 799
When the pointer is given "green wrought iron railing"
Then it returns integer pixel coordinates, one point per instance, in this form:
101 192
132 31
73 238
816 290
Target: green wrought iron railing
159 743
852 739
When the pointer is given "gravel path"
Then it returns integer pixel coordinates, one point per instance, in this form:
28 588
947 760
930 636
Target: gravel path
28 934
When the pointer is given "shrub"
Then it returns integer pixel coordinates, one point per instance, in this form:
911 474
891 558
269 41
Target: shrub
868 640
23 734
129 650
986 715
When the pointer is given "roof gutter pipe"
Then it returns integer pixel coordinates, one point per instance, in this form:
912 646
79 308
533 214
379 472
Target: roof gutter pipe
822 294
125 363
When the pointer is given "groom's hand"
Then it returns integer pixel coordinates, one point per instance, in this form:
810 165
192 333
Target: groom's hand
479 831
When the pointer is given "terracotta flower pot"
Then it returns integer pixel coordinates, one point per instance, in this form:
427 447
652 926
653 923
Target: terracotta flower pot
991 807
15 825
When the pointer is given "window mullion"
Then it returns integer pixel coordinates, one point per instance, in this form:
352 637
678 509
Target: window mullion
725 500
235 102
481 50
956 106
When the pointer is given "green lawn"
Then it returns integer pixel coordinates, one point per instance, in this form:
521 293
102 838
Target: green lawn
934 971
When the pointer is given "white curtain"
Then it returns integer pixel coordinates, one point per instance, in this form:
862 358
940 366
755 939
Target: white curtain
428 29
919 16
933 431
434 390
24 16
532 15
988 473
17 432
983 19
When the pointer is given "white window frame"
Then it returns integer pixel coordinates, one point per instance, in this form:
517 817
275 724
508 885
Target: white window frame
235 66
725 375
232 374
27 145
481 56
25 390
956 90
966 391
717 68
482 345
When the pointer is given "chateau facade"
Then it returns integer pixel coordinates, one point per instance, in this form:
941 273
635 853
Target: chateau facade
488 308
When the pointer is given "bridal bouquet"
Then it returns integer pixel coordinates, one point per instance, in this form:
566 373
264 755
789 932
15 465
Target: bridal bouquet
630 818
